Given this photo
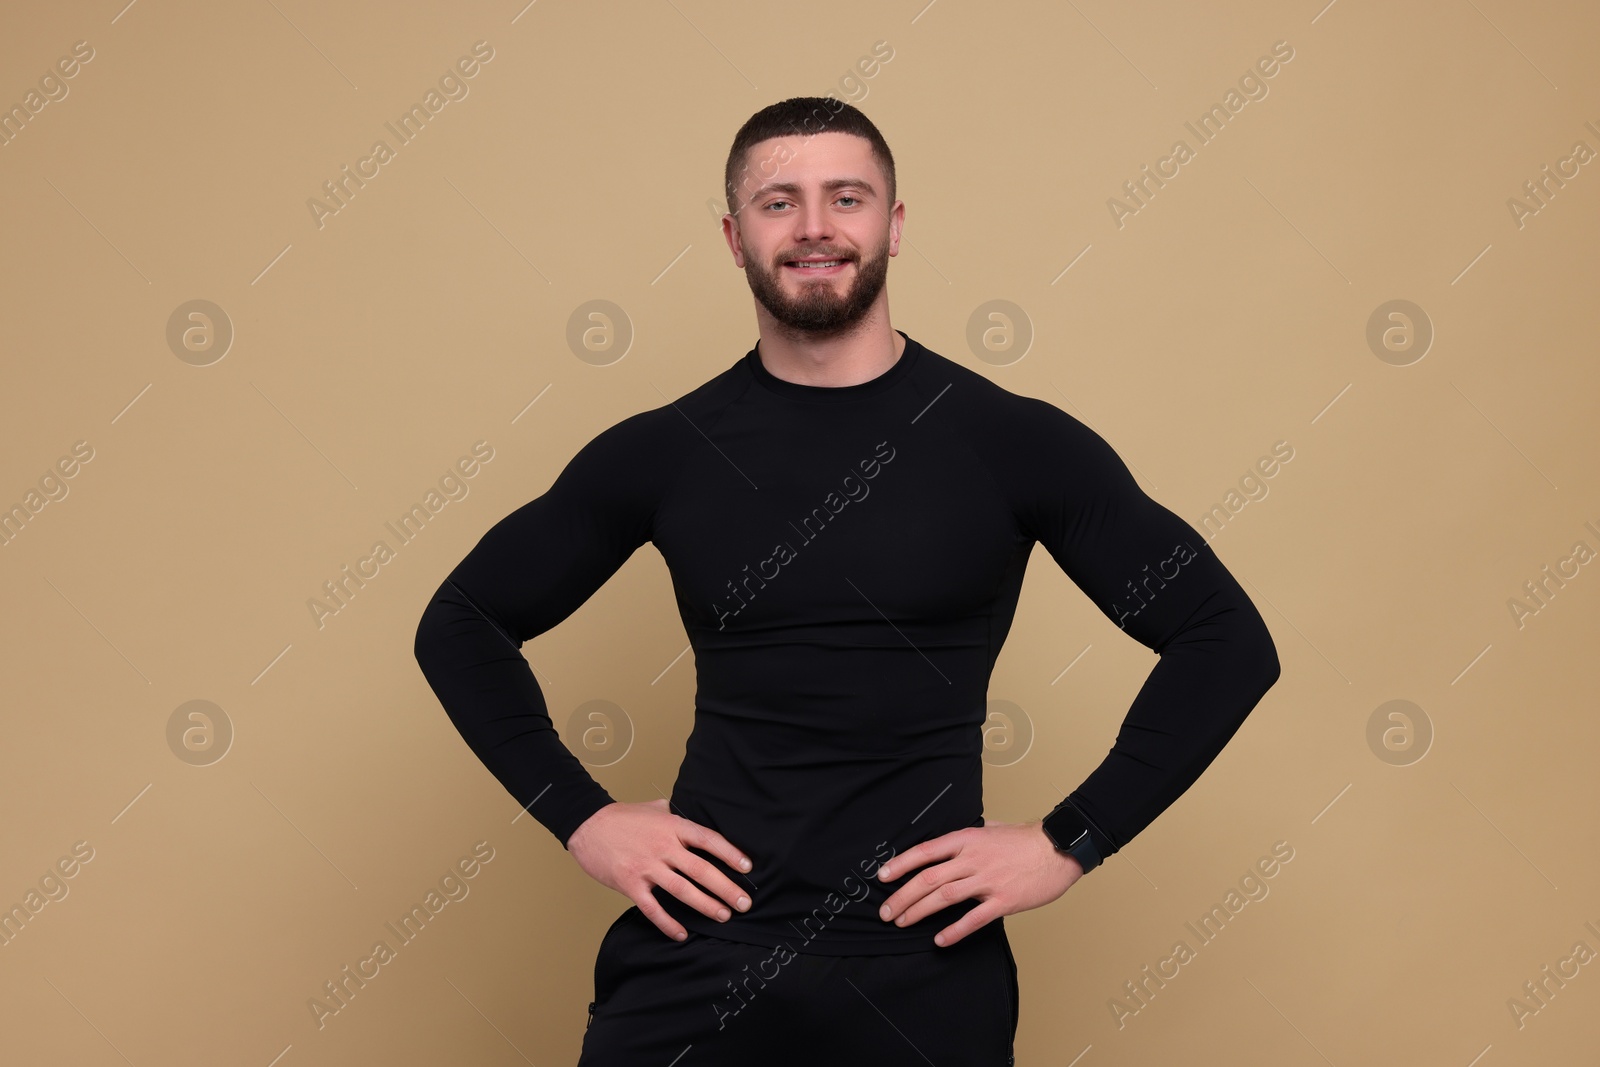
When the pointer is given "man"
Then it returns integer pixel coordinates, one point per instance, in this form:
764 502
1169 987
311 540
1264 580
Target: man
846 516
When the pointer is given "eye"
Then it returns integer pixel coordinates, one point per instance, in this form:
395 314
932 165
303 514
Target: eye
847 196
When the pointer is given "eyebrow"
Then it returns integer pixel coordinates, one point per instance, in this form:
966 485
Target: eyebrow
828 186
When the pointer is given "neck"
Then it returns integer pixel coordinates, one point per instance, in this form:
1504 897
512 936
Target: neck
849 358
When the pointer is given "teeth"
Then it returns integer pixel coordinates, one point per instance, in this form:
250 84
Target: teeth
820 263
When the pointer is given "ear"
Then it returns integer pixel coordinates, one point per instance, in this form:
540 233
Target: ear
730 233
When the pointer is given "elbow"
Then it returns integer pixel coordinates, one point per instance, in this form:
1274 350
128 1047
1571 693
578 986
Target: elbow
419 640
1236 634
1264 660
425 640
1250 662
1255 654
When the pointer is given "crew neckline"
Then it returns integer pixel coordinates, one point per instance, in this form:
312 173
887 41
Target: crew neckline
834 393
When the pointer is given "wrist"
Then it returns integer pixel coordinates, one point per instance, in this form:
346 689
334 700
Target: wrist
1067 830
1065 858
573 837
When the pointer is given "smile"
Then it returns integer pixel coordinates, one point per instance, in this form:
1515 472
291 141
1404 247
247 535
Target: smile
820 266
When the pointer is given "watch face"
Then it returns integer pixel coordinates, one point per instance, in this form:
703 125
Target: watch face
1066 827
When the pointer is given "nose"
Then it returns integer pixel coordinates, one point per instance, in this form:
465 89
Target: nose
812 223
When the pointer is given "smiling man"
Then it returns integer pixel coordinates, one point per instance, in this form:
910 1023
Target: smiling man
847 517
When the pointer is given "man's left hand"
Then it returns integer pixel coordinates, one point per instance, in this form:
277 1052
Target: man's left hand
1010 867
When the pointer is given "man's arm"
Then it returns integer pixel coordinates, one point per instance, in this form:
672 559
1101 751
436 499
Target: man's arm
530 571
1151 573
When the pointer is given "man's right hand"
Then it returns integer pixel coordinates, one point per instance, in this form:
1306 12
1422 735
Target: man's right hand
632 847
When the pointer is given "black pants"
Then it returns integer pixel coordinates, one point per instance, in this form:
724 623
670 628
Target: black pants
665 1003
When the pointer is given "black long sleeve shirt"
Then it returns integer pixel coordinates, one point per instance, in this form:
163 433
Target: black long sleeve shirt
847 563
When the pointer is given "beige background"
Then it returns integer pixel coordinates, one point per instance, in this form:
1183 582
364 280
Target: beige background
431 312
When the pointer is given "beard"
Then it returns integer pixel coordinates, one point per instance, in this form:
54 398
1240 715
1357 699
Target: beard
820 308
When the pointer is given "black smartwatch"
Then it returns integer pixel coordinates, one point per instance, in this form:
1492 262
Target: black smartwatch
1068 829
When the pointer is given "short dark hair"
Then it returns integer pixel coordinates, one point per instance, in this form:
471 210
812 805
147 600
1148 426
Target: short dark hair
804 115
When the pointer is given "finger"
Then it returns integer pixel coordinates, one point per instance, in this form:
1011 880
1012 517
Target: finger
943 896
707 839
692 895
704 872
937 848
652 910
978 917
924 882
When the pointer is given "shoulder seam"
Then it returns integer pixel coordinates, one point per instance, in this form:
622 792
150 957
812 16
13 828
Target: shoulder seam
959 433
683 461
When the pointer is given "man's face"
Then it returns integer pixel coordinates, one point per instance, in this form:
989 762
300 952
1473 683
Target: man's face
816 199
